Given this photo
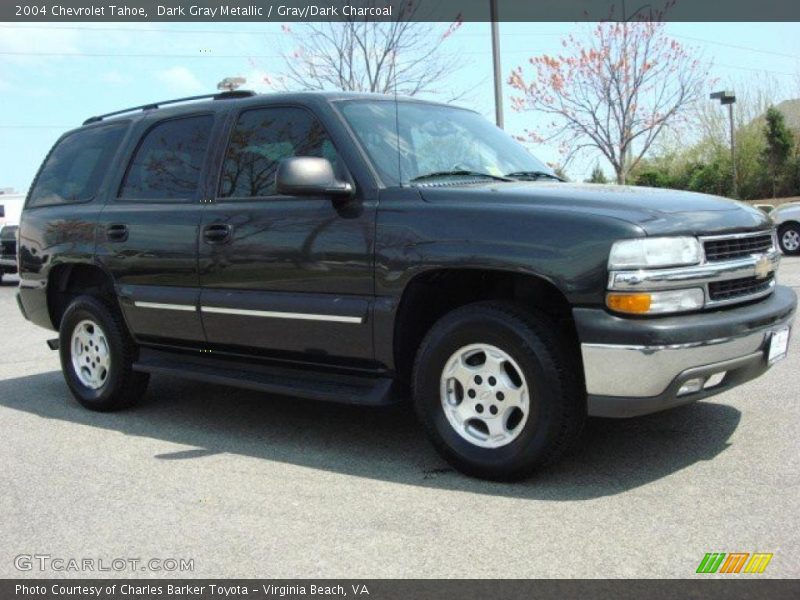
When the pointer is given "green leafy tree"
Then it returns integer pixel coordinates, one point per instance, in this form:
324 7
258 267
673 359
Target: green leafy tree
779 143
597 176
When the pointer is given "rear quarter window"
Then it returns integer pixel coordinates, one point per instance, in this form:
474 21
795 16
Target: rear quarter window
74 169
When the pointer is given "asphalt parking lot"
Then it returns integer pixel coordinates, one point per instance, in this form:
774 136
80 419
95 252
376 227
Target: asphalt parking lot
248 485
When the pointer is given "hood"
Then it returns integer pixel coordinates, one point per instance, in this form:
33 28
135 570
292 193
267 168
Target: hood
657 211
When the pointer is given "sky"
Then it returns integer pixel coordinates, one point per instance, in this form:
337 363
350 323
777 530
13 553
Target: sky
54 76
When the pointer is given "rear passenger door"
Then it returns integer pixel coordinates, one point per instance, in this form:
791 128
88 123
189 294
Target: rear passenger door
282 273
148 233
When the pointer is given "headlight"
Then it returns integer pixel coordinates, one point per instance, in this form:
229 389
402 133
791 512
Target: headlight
656 303
644 253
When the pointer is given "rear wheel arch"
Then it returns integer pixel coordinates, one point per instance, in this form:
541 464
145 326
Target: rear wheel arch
67 281
98 355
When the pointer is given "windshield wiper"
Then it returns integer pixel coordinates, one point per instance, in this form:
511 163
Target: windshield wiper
533 175
458 172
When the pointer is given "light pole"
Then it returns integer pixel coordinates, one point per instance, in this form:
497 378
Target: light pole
729 98
498 90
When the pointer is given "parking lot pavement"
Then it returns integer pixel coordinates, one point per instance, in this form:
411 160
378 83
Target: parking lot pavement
251 485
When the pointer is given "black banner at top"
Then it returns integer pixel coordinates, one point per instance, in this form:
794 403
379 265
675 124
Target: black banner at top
396 10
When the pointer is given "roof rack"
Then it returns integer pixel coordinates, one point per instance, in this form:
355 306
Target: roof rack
155 105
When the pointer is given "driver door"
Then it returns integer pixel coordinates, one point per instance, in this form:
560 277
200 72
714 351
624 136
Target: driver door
281 274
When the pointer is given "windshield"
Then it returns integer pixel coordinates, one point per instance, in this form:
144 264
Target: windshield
434 140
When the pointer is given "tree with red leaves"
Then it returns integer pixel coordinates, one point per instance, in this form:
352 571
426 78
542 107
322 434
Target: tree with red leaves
614 91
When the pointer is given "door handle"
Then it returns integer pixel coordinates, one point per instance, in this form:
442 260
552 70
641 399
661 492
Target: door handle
217 233
117 232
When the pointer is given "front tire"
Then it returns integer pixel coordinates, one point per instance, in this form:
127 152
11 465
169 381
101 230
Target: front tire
97 356
789 239
498 391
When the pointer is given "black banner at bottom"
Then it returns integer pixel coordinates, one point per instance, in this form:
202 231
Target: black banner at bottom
399 589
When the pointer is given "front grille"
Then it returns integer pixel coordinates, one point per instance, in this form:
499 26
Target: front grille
737 247
738 288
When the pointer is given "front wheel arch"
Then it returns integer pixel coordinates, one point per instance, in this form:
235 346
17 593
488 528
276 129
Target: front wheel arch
558 398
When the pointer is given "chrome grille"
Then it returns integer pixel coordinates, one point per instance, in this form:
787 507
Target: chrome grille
737 268
732 289
740 246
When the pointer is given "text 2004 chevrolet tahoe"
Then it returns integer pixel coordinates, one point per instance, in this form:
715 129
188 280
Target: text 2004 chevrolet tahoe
354 248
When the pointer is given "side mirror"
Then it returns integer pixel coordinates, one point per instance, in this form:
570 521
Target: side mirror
309 176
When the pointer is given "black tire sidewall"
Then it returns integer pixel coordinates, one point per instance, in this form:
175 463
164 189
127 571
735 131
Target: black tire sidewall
88 308
783 229
541 375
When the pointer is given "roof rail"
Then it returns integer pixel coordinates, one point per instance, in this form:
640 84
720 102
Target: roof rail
156 105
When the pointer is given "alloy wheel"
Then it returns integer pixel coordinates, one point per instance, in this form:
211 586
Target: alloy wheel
484 395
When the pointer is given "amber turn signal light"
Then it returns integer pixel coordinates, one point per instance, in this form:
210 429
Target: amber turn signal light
636 304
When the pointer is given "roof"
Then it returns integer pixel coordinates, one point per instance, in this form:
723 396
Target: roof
248 97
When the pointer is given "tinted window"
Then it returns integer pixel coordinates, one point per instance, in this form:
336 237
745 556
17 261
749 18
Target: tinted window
169 160
264 137
406 140
76 166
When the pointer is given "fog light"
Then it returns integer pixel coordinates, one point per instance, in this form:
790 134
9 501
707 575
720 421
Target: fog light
691 386
715 380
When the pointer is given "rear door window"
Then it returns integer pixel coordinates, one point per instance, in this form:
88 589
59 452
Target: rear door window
76 166
169 161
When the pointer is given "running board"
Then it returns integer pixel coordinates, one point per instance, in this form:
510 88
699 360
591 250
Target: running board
314 385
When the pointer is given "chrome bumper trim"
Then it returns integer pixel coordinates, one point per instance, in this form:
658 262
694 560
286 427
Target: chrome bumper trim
645 371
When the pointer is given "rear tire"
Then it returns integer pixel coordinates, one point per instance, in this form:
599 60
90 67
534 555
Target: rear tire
789 239
97 355
498 391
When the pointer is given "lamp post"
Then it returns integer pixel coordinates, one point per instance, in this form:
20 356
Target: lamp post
498 90
729 98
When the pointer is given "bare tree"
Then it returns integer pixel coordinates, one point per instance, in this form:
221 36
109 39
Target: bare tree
615 91
402 56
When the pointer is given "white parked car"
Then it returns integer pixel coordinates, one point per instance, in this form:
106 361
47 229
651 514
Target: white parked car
787 218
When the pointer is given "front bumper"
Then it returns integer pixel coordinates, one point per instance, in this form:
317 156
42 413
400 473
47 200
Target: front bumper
637 366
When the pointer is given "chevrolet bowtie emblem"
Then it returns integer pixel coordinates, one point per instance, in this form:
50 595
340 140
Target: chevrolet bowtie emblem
763 267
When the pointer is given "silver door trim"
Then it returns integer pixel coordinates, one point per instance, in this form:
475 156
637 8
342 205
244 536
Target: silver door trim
272 314
165 306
